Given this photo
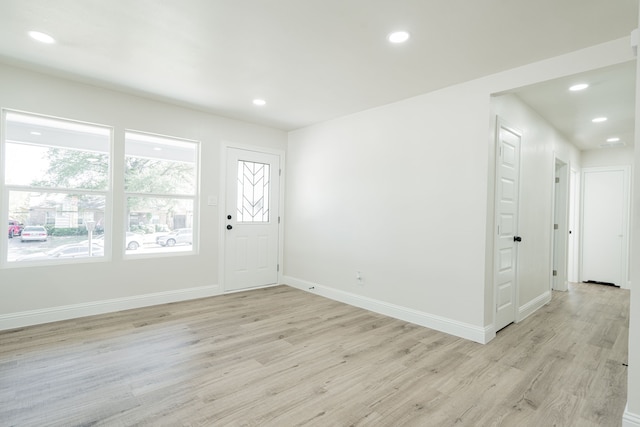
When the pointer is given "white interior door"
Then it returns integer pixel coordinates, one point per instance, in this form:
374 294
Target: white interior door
506 250
605 205
251 219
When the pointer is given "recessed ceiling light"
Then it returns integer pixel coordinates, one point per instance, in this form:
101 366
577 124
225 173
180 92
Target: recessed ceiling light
41 37
580 86
612 144
33 132
259 102
614 139
157 149
599 120
398 37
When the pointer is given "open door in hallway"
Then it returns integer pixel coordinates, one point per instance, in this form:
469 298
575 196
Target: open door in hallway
507 239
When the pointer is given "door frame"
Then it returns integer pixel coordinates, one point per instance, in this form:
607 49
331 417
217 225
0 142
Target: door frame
502 124
573 251
560 216
222 209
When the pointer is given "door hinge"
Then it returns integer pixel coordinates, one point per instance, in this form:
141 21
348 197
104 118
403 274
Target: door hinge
557 180
278 267
279 172
555 226
555 272
278 220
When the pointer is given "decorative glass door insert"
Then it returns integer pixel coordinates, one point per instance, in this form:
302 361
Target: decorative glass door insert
253 192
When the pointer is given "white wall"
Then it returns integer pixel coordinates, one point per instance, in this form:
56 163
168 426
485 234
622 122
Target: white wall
41 288
392 193
404 194
541 145
620 156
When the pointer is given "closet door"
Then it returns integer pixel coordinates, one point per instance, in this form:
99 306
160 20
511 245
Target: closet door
605 225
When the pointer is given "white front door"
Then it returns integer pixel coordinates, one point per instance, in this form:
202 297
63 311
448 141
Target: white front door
506 249
251 219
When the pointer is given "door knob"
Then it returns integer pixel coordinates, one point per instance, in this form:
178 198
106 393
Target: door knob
229 227
517 239
228 216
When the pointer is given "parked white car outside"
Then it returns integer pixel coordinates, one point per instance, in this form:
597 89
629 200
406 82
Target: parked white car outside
34 232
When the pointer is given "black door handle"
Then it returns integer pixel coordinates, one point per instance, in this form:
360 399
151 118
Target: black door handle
229 227
517 239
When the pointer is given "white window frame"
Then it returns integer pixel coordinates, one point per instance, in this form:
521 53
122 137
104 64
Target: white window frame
195 198
6 189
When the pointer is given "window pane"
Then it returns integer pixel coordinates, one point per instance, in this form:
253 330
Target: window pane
159 224
159 165
54 153
54 226
253 192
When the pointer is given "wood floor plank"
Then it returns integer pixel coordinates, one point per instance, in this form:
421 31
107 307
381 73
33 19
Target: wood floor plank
283 357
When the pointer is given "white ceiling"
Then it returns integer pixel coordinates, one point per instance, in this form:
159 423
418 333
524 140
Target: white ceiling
611 94
311 60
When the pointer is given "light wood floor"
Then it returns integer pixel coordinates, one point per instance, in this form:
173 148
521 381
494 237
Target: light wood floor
283 357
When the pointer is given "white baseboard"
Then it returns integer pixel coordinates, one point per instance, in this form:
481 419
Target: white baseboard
475 333
534 305
54 314
630 419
